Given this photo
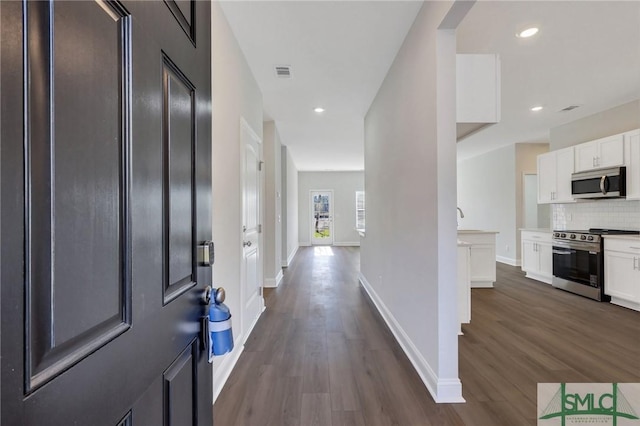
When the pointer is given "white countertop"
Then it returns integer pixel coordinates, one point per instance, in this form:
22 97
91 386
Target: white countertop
623 237
463 244
476 231
536 230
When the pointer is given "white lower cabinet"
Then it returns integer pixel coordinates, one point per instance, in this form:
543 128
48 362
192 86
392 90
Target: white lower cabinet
622 271
483 256
464 285
537 257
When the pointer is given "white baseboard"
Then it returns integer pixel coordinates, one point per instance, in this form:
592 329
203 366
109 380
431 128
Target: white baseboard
292 255
348 244
223 371
442 390
273 282
537 277
508 260
304 244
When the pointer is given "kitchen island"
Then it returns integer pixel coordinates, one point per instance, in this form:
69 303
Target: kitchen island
483 256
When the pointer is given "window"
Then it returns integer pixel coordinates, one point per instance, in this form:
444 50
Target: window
359 209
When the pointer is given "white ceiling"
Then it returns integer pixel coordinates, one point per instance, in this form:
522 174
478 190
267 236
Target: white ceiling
339 54
587 53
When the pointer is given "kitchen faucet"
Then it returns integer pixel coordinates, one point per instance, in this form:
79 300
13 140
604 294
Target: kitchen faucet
461 215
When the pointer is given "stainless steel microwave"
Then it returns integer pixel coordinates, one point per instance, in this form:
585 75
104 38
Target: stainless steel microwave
602 183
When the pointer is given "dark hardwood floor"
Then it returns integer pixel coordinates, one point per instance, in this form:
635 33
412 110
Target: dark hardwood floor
321 354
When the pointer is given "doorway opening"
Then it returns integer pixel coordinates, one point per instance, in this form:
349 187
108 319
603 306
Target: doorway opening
321 217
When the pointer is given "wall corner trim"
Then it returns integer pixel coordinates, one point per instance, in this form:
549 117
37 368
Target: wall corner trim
292 255
441 390
274 282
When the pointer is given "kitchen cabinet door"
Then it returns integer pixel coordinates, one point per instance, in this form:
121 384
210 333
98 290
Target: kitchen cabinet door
545 252
632 157
601 153
546 177
622 277
529 256
610 152
585 156
564 169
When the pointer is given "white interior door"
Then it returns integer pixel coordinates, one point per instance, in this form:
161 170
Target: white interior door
251 291
321 220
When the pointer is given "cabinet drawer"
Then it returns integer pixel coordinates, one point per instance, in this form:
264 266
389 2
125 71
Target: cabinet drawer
627 245
542 237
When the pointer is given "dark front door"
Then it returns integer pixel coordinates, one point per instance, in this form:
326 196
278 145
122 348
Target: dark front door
105 180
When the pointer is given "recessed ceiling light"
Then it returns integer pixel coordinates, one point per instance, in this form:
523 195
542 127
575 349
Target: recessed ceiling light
527 33
536 108
318 109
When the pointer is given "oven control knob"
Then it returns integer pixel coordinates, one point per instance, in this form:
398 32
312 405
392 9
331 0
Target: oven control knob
557 234
590 238
563 235
572 236
583 237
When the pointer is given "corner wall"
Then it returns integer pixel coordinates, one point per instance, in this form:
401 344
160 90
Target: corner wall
409 255
289 207
235 95
344 186
272 157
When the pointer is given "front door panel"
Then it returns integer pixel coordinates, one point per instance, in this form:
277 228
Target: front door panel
106 183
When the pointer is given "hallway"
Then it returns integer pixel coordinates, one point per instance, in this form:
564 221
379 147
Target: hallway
321 355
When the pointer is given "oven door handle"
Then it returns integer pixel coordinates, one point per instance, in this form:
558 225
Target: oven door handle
565 253
577 245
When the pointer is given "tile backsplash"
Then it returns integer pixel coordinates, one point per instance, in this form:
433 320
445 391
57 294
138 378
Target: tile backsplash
614 214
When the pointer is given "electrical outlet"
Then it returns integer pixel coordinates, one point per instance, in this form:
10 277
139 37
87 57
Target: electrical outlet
506 248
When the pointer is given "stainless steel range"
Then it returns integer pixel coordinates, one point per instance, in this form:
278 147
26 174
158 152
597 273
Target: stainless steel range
578 261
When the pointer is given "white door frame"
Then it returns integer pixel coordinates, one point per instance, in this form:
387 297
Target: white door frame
251 304
326 241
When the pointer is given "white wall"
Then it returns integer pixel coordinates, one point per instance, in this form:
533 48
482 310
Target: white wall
235 94
491 194
487 196
344 186
289 207
408 257
272 227
605 123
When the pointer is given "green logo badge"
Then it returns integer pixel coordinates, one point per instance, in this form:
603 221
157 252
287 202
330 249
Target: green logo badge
588 403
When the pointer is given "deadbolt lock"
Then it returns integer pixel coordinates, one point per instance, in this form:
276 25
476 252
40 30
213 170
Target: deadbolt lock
206 255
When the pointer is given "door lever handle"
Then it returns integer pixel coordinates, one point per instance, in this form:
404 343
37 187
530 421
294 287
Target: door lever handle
246 244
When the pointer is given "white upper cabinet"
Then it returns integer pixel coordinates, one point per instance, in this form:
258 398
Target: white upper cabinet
477 92
554 176
632 157
601 153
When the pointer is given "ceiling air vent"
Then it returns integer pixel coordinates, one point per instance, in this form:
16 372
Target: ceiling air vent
283 71
569 108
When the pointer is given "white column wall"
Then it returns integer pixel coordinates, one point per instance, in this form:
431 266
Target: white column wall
235 95
408 257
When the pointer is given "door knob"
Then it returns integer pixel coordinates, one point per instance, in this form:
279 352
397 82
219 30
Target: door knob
246 244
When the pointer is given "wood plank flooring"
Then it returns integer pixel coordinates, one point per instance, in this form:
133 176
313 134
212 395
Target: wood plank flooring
321 355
